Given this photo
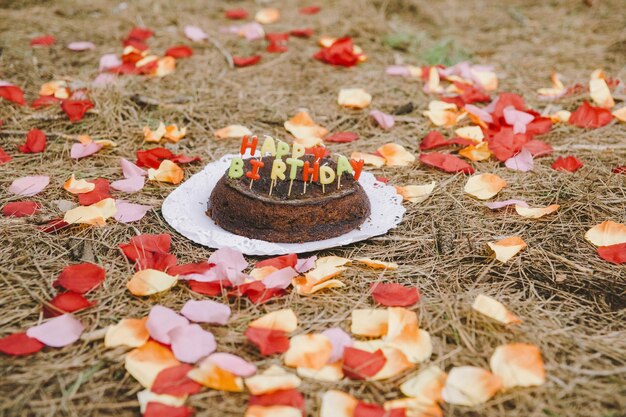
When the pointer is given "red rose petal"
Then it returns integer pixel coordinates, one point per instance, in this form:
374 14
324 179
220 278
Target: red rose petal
53 226
364 409
538 148
80 278
12 93
99 193
35 142
174 381
44 101
256 292
246 61
342 137
341 53
615 253
141 245
4 157
588 116
19 344
279 262
76 109
67 302
435 139
139 34
539 126
193 268
287 397
151 158
619 170
20 208
180 51
508 99
154 409
395 295
569 163
301 33
359 364
446 162
310 10
268 341
209 288
158 261
236 14
45 40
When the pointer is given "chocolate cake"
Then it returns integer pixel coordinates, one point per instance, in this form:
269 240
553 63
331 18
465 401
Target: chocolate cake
284 216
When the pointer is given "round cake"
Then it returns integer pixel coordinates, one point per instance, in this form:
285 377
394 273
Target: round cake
302 214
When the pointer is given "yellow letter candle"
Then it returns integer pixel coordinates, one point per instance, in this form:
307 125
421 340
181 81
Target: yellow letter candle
282 149
269 146
278 169
298 150
293 163
343 165
236 168
327 176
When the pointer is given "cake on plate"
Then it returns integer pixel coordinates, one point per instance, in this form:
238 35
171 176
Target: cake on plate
296 209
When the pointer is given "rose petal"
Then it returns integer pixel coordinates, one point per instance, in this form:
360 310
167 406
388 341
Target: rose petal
272 379
190 343
469 385
129 212
29 186
607 233
494 310
339 341
523 161
80 46
233 364
484 186
161 321
79 150
384 120
128 332
147 361
500 204
518 365
57 332
206 311
195 33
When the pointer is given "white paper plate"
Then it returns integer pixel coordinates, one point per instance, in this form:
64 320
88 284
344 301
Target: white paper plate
185 210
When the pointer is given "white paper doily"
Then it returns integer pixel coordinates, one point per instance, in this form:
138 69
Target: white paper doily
185 210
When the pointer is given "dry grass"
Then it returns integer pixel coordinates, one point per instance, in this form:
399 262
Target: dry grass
572 301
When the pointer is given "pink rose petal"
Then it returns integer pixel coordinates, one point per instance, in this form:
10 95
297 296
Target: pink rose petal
523 161
494 205
478 112
108 61
79 150
340 340
80 46
384 120
161 320
280 279
232 363
29 186
191 343
195 33
517 119
131 170
129 212
103 79
303 265
57 332
129 185
400 70
252 31
206 311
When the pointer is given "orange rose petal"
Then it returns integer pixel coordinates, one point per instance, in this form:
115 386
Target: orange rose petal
308 351
212 376
267 16
557 89
321 276
607 233
426 385
433 85
272 379
518 365
395 155
469 385
173 133
355 98
128 332
484 186
620 114
150 281
441 113
84 139
331 372
415 407
600 93
306 289
487 79
153 136
259 273
494 309
476 153
369 159
168 171
232 131
165 66
396 364
474 133
330 261
337 404
561 116
305 130
95 214
416 193
144 363
536 212
75 186
404 334
272 411
146 396
284 320
507 248
392 266
369 322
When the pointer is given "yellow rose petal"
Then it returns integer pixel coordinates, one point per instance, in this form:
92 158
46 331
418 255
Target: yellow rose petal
150 281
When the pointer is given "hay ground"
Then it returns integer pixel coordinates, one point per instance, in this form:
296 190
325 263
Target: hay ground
572 302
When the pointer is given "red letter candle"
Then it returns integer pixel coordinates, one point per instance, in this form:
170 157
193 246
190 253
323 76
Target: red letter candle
246 145
358 168
313 172
253 174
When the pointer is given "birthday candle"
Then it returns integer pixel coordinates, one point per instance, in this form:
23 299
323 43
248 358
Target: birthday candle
269 146
298 150
253 174
358 168
318 152
327 176
278 169
236 168
343 165
282 149
294 164
308 171
248 145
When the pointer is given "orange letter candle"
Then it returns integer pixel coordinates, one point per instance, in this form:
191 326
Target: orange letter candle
253 174
358 168
248 145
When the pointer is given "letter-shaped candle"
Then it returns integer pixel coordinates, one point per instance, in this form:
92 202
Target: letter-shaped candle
278 169
248 145
318 152
282 149
343 165
294 163
269 146
236 168
253 174
298 150
308 171
358 168
327 176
